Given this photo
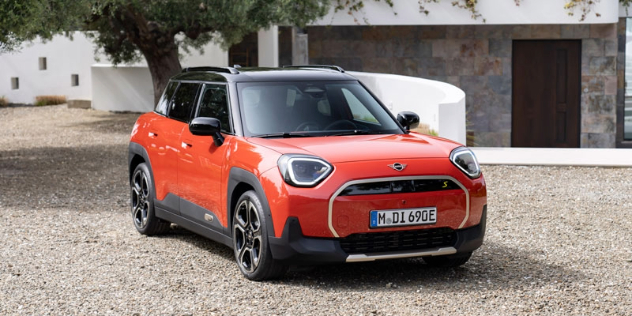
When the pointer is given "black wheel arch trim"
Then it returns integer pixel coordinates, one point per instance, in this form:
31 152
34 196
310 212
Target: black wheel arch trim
237 176
136 149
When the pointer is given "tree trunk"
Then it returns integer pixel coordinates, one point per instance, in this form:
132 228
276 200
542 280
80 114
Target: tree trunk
163 64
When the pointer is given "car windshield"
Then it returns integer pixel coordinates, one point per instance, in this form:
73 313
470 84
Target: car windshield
299 109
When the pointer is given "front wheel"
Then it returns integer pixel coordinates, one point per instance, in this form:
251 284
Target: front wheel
250 241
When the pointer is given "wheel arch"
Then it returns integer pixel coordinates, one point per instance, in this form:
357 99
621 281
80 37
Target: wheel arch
239 182
138 155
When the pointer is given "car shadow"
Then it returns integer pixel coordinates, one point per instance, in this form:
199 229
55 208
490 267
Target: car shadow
203 243
493 266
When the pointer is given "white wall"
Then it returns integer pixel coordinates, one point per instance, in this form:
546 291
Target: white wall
63 57
124 88
494 12
438 104
268 47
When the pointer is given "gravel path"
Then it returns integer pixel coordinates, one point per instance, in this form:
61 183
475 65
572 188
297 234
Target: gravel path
559 241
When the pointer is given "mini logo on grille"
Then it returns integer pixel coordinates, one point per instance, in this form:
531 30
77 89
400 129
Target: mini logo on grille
398 166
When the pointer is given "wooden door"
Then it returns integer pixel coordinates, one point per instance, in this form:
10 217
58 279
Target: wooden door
546 93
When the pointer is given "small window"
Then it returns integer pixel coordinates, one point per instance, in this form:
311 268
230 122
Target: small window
183 101
163 103
74 80
359 111
215 104
15 83
42 63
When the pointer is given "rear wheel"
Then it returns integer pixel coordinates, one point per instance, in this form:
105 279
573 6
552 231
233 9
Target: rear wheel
250 241
143 214
450 261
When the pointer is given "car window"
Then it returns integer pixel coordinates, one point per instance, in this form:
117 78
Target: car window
183 101
315 108
215 104
358 110
163 103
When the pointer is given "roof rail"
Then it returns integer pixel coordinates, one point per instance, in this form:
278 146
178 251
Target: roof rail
228 70
331 67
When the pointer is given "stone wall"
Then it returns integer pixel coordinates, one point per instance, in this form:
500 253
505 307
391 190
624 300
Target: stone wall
478 59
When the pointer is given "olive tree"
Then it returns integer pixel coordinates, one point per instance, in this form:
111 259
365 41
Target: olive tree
156 30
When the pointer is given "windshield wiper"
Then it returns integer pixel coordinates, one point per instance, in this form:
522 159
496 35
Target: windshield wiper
353 132
284 135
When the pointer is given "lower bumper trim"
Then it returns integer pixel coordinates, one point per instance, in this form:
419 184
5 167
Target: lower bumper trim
400 255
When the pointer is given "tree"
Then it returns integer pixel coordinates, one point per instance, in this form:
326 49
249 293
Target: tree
127 30
23 20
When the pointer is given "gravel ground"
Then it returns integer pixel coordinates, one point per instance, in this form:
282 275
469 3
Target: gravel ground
559 241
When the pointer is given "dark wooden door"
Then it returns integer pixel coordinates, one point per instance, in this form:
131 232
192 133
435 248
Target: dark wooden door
246 52
546 93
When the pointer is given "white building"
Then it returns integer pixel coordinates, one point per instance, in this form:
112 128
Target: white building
485 57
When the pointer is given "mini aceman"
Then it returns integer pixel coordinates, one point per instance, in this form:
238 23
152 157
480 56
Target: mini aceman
301 165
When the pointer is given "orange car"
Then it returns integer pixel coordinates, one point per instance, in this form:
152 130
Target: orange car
301 166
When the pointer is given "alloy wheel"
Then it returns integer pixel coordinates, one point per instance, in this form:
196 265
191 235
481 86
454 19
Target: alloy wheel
140 199
247 234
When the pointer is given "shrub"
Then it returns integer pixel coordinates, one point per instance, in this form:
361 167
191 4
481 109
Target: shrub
425 129
3 101
49 100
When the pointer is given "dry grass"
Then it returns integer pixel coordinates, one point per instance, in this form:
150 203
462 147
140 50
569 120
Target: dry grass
425 129
50 100
3 101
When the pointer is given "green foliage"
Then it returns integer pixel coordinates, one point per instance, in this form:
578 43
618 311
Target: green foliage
23 20
125 26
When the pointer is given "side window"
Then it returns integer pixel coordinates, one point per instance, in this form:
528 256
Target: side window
183 101
359 111
215 104
161 107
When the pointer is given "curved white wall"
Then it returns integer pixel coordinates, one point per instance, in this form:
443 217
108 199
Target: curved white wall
406 12
438 104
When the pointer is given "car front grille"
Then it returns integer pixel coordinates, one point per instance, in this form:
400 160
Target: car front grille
399 186
398 241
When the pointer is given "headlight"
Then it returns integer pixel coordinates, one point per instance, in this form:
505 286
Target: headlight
302 170
465 160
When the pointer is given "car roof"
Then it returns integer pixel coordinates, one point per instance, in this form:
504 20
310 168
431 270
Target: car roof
229 74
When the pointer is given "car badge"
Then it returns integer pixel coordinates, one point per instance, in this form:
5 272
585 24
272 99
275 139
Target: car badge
398 166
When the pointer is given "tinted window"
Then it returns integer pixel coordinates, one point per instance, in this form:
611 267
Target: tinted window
161 107
215 104
183 101
314 108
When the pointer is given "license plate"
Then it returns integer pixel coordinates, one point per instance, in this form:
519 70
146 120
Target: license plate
407 217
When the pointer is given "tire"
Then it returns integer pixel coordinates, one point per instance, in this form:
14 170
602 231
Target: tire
142 200
250 241
450 261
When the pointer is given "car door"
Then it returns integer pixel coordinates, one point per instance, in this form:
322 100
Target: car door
201 166
178 115
160 137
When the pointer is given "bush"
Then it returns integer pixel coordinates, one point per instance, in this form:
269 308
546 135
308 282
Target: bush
3 101
49 100
425 129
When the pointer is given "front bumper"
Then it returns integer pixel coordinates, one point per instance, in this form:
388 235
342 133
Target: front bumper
294 248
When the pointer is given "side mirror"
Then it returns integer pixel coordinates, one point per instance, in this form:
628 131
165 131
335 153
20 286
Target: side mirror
207 126
408 119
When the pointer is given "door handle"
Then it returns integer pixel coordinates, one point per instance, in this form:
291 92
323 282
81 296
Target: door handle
185 145
152 134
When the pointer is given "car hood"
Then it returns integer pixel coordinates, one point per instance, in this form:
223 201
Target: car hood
337 149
